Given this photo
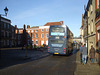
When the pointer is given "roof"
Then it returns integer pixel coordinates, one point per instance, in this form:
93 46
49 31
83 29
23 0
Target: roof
35 27
53 23
5 18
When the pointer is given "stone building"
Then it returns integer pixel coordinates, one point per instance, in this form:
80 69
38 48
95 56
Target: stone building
82 31
97 23
85 29
91 24
7 33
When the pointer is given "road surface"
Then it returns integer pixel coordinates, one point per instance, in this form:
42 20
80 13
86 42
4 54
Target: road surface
51 65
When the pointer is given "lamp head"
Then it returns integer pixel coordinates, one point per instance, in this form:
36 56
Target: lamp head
6 11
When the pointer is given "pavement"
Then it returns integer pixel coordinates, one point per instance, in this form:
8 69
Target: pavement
87 69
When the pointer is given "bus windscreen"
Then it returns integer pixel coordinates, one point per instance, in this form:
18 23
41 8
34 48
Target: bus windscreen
57 31
57 41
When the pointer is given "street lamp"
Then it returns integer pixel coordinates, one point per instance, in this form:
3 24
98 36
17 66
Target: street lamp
6 11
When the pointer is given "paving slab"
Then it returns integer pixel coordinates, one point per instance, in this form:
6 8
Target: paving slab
87 69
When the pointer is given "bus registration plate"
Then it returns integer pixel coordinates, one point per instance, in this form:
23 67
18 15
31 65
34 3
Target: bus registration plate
56 53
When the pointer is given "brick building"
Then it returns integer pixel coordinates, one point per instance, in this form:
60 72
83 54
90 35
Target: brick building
21 36
38 35
7 33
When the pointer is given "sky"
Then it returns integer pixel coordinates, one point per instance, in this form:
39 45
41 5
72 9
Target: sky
39 12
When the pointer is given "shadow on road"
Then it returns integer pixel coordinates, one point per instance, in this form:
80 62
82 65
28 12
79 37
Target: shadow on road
13 57
52 65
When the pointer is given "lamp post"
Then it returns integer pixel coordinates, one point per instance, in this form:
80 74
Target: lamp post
6 11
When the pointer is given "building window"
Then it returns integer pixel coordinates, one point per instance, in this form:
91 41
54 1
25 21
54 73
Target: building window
18 42
28 31
98 36
7 42
42 30
4 25
42 35
46 42
28 35
28 42
18 32
32 42
91 8
47 35
4 33
97 3
36 42
88 29
92 26
46 29
31 35
32 31
12 29
42 42
36 35
88 14
99 39
36 30
7 34
18 37
8 26
4 42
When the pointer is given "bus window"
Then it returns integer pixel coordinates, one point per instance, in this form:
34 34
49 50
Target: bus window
58 29
57 41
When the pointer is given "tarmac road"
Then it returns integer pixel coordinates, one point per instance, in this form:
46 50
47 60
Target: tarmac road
51 65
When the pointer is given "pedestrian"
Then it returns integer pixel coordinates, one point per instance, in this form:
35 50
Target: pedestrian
84 54
81 52
92 54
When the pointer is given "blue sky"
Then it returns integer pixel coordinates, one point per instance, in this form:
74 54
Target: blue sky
39 12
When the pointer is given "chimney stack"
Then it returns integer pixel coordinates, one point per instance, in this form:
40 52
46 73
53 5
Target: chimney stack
15 26
61 22
24 26
28 26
